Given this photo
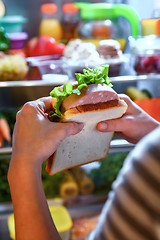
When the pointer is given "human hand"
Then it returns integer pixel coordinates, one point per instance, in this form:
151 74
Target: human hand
35 137
4 131
133 125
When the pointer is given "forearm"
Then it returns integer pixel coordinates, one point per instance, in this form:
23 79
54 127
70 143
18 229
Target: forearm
33 220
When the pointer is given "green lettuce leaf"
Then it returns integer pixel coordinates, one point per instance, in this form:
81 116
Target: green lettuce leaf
60 95
89 76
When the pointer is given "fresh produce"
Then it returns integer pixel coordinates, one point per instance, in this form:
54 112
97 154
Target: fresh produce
147 64
51 184
30 45
136 94
4 131
10 116
107 172
68 186
44 45
102 177
12 67
4 40
85 184
151 106
5 195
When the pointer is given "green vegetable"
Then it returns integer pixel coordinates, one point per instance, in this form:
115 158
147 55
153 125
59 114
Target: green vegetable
89 76
104 176
93 76
5 195
51 184
4 39
67 90
1 115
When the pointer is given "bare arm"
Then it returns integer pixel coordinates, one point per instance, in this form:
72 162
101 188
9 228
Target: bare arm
35 138
133 125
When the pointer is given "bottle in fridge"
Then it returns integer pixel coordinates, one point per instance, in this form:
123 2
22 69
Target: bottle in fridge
50 25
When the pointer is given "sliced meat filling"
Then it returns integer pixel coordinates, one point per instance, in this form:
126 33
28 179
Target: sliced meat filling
98 106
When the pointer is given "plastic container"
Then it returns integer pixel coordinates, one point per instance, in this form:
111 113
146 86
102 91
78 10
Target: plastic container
70 21
53 70
60 216
18 40
145 54
150 26
49 25
100 21
13 23
12 67
80 54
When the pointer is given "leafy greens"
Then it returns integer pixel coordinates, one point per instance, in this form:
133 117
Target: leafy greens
89 76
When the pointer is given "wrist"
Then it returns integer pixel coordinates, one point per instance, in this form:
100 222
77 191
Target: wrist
21 169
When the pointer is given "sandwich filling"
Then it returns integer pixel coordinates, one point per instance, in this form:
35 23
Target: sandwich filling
93 88
93 94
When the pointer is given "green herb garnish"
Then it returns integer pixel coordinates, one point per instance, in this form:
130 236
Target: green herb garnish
89 76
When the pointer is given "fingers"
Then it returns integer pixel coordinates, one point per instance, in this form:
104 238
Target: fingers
62 130
115 125
133 108
125 98
72 128
43 104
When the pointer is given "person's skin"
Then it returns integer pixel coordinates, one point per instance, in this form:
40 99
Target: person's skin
133 125
35 139
4 131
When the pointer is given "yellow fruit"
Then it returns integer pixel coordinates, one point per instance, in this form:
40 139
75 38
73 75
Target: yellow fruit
135 94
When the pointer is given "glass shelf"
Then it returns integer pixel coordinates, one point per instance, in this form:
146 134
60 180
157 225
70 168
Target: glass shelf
116 146
49 82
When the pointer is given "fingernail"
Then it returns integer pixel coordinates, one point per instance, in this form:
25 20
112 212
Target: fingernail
102 126
80 125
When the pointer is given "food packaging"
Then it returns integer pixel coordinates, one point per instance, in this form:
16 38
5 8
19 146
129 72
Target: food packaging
62 221
115 66
145 54
60 216
12 23
80 54
12 67
18 40
150 26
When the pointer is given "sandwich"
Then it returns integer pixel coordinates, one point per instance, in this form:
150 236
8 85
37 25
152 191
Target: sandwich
90 100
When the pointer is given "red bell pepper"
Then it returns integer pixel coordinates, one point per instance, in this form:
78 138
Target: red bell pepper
46 45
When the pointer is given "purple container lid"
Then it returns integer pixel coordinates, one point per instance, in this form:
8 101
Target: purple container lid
18 40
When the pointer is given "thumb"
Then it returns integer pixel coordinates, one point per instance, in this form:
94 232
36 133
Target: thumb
65 130
114 125
72 128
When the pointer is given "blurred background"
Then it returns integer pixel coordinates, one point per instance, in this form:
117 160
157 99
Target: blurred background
43 43
30 9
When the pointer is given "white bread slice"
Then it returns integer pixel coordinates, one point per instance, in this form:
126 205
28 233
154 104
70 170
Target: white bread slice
87 146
